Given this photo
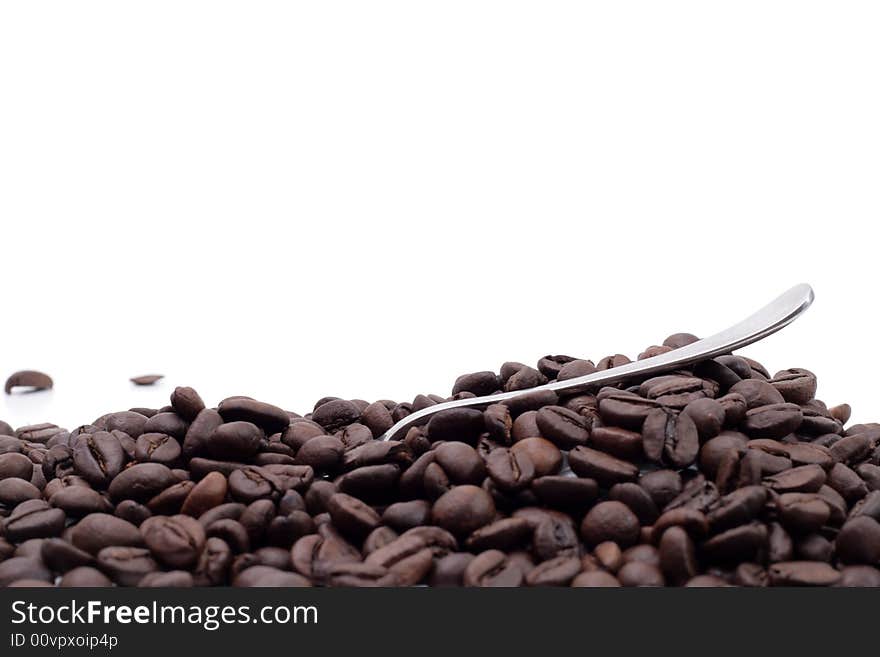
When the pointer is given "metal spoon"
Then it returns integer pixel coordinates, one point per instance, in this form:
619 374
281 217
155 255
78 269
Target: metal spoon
775 315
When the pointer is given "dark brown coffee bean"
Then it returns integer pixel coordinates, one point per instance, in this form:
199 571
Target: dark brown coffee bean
84 576
463 509
638 573
678 559
708 416
565 492
141 482
802 512
210 492
232 532
773 420
456 424
757 393
554 537
595 579
859 541
802 573
187 403
637 500
18 466
846 482
336 414
662 485
670 438
853 576
126 565
157 448
504 534
14 491
98 457
79 501
252 483
510 470
352 516
610 521
544 455
406 515
449 570
28 379
492 568
33 519
176 541
18 568
562 427
797 386
740 543
605 469
478 383
804 479
625 410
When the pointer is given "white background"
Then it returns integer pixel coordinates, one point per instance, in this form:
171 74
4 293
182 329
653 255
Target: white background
366 199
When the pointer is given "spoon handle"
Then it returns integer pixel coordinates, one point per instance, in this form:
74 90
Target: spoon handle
775 315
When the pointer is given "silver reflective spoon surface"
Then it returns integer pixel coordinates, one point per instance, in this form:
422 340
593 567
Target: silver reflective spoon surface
775 315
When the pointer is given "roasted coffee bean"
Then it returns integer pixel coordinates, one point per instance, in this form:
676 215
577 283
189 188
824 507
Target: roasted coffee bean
28 379
252 483
157 448
662 485
773 420
544 455
128 422
678 559
479 383
563 427
510 470
605 469
79 501
449 570
610 521
625 409
738 544
456 424
859 541
99 530
637 500
232 532
802 573
406 515
126 565
98 457
14 465
638 573
33 519
708 416
18 568
176 541
623 444
322 453
463 509
269 418
671 438
796 386
461 462
853 576
492 568
14 491
146 379
352 516
168 423
757 393
187 403
336 414
565 492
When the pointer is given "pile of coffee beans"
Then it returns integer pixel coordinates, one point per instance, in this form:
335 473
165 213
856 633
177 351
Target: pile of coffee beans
715 475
